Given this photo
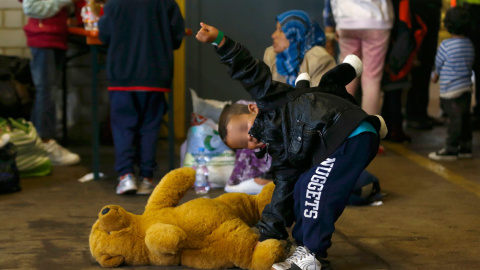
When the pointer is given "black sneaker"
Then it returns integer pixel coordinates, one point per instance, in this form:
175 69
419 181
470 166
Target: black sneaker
465 153
443 154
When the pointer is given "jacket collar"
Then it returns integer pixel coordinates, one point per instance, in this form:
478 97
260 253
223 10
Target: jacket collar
257 128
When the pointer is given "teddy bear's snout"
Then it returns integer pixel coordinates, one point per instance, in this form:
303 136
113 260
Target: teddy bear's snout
105 210
113 218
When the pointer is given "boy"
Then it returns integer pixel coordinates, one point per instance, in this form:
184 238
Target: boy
453 65
141 38
319 139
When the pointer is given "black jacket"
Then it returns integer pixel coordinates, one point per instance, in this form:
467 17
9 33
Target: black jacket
299 131
141 37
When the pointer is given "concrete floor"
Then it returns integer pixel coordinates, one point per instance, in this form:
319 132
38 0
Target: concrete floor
430 218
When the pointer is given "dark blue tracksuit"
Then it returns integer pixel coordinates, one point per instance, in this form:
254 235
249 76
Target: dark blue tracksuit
141 37
136 118
321 193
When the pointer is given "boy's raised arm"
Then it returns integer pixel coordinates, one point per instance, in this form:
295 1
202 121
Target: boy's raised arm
254 75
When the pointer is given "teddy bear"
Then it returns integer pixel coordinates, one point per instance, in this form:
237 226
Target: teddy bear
201 233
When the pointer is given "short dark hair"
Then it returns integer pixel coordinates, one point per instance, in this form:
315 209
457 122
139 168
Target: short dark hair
227 113
457 21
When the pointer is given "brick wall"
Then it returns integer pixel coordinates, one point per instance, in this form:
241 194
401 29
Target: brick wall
12 38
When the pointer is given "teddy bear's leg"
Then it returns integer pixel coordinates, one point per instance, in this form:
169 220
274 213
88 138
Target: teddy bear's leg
267 253
233 244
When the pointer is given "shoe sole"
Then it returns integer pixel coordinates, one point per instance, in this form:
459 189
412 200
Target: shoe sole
128 192
465 156
66 163
443 158
144 192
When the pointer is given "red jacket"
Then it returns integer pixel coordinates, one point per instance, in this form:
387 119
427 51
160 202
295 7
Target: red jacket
48 33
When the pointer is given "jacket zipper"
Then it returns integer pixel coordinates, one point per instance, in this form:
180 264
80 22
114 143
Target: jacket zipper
266 145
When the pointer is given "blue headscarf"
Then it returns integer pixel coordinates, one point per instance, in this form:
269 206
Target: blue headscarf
302 34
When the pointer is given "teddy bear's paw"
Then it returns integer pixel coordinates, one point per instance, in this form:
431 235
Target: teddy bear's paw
266 254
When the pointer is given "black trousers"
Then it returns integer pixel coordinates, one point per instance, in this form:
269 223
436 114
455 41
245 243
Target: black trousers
475 38
459 126
418 95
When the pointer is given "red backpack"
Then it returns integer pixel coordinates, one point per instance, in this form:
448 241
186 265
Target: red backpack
407 36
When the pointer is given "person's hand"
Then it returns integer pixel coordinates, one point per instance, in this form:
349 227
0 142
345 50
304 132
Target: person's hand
208 34
435 77
331 48
331 37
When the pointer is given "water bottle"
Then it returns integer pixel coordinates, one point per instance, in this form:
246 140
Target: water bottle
202 186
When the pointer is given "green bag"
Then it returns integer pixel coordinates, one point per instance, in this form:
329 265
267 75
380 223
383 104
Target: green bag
32 159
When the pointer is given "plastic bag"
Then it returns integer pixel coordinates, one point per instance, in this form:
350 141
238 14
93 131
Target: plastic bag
9 176
203 134
32 158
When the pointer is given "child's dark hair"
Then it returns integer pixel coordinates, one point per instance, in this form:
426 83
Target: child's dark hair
227 113
457 21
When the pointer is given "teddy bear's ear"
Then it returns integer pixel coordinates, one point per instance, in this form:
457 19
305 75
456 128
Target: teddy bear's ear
108 261
113 218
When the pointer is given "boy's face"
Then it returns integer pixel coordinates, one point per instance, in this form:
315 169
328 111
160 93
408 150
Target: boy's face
237 130
280 41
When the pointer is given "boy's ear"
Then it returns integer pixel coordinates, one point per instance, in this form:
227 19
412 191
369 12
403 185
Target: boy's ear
252 108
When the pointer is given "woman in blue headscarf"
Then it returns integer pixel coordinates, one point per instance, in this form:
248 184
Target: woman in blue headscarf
297 48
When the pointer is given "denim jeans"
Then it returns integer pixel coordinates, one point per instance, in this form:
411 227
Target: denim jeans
459 128
46 69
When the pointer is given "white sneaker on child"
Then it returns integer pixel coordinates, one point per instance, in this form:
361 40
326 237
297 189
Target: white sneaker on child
301 259
248 186
146 186
126 184
59 155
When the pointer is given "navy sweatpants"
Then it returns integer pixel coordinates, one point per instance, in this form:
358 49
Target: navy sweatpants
136 118
321 194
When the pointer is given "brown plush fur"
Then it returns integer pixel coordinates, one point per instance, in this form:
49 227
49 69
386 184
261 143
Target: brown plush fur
201 233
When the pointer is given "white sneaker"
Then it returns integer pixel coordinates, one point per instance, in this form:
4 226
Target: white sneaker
59 155
146 187
248 186
127 184
302 259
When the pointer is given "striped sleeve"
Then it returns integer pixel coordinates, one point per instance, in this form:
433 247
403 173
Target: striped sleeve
440 58
42 9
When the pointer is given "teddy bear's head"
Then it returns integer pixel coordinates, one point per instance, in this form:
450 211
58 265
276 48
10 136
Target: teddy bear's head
116 238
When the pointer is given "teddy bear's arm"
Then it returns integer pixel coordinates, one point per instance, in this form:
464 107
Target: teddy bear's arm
164 238
171 189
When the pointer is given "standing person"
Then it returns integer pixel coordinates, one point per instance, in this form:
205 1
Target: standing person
297 48
362 28
473 7
453 64
320 142
46 33
141 37
416 105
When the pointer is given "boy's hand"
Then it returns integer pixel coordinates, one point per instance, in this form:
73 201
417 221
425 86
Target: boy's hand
208 34
435 77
